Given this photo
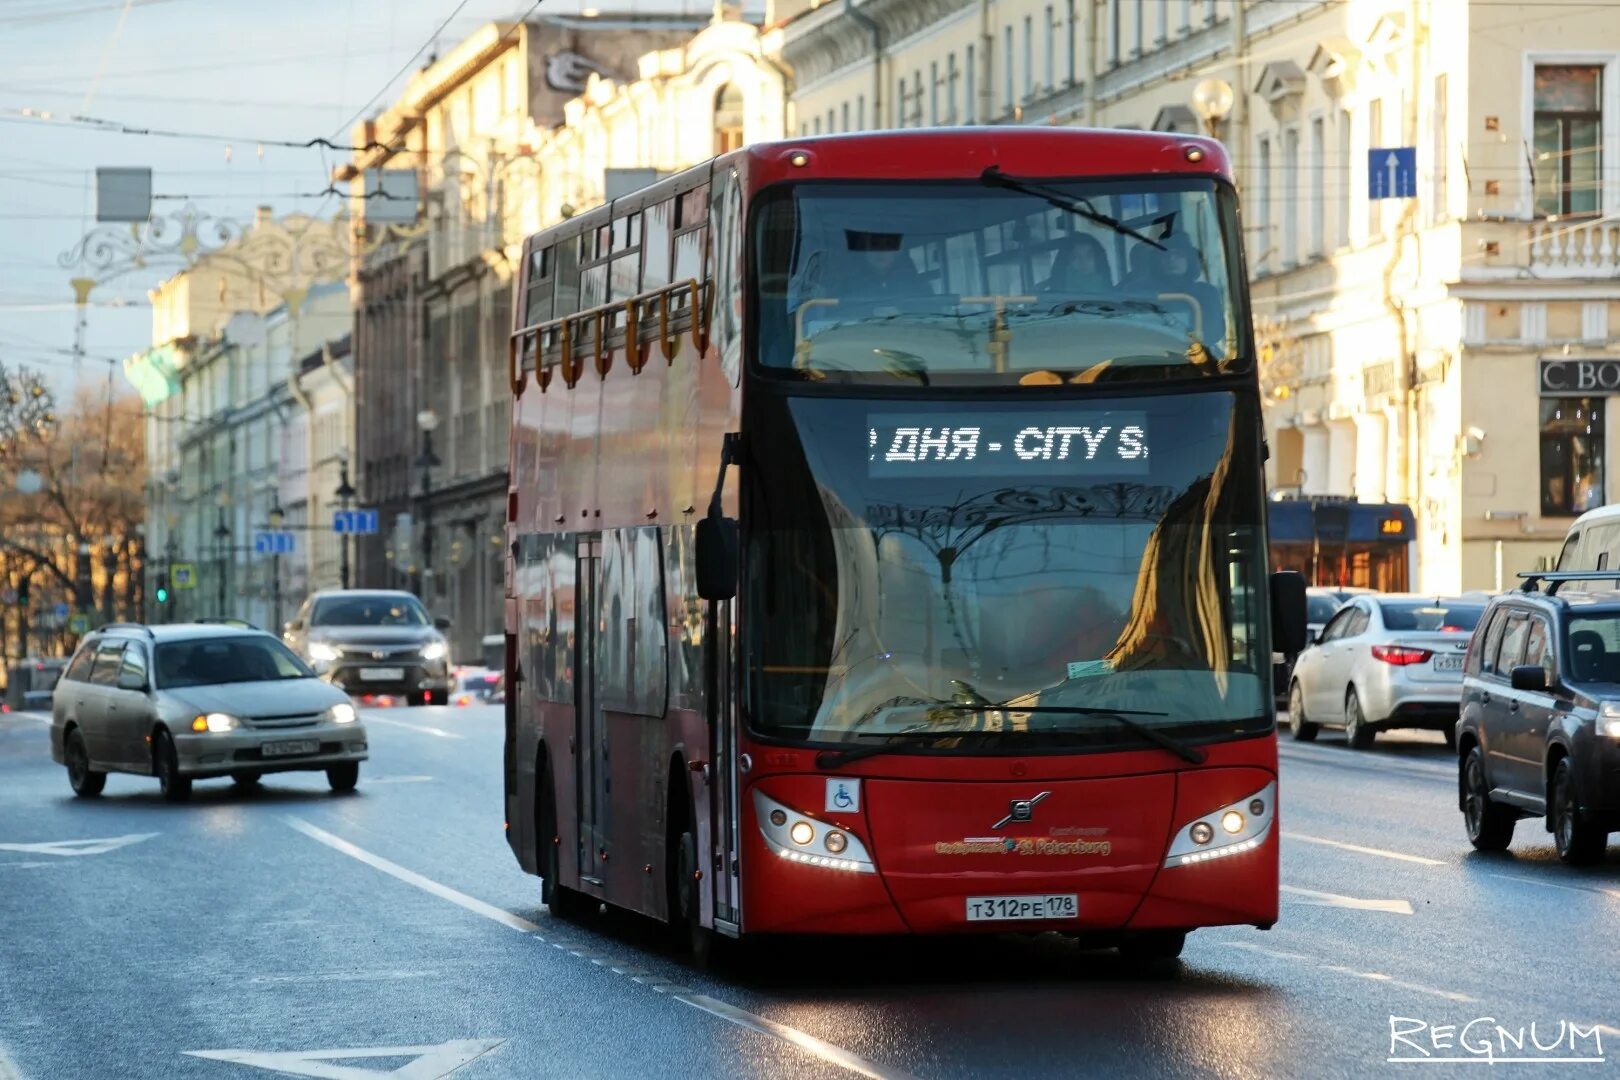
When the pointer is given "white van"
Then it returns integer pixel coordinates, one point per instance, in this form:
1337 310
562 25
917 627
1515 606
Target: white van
1593 542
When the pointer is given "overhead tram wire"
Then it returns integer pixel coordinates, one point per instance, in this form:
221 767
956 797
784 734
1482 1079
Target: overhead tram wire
383 89
114 127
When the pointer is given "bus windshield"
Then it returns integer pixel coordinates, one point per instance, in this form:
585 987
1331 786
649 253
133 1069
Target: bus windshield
950 567
978 282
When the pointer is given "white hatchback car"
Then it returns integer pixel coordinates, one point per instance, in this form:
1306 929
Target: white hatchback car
184 703
1384 661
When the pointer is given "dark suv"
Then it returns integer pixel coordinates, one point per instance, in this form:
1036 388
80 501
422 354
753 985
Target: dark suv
1539 732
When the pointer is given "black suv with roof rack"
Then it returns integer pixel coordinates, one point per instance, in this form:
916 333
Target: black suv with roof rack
1539 731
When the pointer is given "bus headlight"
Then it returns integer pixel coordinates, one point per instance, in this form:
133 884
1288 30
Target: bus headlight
808 841
1227 830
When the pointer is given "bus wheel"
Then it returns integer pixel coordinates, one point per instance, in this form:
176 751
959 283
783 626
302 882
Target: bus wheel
563 902
707 948
1156 947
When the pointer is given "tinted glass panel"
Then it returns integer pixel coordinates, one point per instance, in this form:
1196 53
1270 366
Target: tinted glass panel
977 283
1594 647
134 669
1513 638
1493 642
79 669
215 661
109 658
1319 609
1429 615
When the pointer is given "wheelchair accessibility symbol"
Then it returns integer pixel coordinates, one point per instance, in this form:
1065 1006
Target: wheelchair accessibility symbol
843 796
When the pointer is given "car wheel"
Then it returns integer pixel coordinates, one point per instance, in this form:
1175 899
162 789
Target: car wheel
563 902
1356 731
85 781
1489 824
247 781
1153 945
166 763
1300 728
416 701
1579 842
343 777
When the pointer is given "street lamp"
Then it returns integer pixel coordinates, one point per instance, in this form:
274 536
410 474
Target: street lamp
345 495
1212 101
222 535
277 518
427 461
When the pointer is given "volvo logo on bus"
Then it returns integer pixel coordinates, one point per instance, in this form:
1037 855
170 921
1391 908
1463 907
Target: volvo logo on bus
1020 810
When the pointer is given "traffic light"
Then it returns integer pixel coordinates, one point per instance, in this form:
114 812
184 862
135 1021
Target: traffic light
22 593
163 588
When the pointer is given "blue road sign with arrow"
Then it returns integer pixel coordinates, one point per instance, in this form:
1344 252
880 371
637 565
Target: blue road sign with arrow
355 522
1392 172
272 543
60 611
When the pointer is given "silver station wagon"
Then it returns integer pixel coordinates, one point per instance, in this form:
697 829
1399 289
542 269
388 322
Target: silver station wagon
185 703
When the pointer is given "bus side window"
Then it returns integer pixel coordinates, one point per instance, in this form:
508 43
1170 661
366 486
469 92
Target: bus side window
566 276
537 299
656 246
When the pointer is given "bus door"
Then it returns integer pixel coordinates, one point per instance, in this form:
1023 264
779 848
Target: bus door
590 736
724 816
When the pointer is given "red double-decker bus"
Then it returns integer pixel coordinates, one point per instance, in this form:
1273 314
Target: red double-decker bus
887 545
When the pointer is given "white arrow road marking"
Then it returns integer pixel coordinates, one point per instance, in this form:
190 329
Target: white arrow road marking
80 847
1381 852
420 729
429 1062
1325 899
805 1041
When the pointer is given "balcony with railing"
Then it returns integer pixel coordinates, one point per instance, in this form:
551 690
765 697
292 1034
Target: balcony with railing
1588 248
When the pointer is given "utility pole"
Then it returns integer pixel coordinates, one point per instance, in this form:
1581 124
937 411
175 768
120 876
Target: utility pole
278 517
345 495
222 534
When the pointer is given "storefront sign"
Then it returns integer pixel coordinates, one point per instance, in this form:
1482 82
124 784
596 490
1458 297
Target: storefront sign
1570 378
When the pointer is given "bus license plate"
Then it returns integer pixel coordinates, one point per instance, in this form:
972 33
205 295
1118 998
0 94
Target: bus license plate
289 749
1448 663
1018 908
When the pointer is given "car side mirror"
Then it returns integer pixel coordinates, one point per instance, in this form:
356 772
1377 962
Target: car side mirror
1529 677
441 623
294 626
717 557
1288 612
132 681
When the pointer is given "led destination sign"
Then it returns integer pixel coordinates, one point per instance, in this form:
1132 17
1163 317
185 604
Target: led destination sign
1008 444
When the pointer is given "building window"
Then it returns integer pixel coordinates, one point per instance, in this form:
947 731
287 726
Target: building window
728 119
900 100
1568 135
1113 32
1375 138
1318 181
1073 59
817 128
1007 64
970 110
1186 16
1571 455
1049 78
1290 200
953 78
1029 57
843 116
917 98
1346 173
1136 29
933 94
831 117
1441 152
860 112
1262 203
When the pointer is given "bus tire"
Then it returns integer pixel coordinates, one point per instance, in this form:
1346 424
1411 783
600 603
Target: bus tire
1159 949
707 949
563 902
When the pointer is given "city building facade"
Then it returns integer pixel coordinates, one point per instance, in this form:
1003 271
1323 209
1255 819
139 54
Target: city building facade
1450 350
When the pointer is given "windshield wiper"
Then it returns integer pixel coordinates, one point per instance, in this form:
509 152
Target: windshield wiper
1074 204
832 759
1122 717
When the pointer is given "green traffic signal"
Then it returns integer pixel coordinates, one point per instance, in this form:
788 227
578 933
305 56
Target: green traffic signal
162 595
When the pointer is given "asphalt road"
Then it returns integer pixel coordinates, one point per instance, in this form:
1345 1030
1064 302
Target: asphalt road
389 933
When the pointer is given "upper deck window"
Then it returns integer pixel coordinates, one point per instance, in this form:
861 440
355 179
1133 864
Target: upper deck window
967 282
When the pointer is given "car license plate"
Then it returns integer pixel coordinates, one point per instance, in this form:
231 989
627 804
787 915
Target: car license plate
289 749
1017 908
1448 663
382 674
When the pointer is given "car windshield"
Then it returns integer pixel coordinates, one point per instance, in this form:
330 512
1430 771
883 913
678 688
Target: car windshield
369 611
965 282
979 567
1319 608
1430 615
215 661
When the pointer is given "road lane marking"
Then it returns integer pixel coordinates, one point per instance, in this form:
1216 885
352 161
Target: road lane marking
420 729
805 1041
427 1062
1339 969
411 877
70 848
1382 766
1381 852
373 780
1324 899
1611 893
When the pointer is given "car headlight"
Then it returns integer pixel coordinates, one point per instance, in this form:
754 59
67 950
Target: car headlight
1608 721
341 713
434 650
214 721
321 652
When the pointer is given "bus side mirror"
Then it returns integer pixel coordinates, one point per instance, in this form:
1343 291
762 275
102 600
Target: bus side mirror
1288 628
717 557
